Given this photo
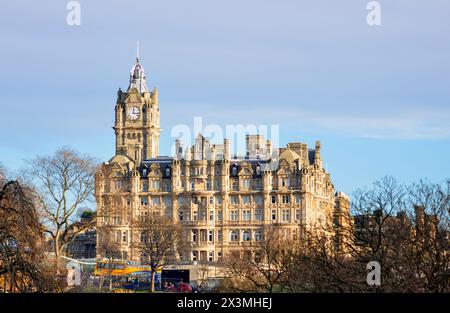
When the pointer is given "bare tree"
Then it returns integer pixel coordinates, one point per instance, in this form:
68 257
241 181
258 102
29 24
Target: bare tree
404 228
159 242
203 275
262 265
22 258
109 248
429 240
65 182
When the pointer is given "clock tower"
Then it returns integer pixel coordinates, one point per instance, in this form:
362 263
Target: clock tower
136 124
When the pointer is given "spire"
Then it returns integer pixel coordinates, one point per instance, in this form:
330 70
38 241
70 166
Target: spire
137 75
137 51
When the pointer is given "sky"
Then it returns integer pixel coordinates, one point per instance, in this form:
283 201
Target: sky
377 97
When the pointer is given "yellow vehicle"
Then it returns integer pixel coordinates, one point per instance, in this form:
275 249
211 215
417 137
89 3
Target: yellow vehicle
126 275
121 268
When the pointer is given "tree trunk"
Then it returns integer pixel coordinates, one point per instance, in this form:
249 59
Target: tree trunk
152 281
5 282
100 282
57 254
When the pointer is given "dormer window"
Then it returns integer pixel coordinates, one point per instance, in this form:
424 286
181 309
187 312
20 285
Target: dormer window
167 171
234 170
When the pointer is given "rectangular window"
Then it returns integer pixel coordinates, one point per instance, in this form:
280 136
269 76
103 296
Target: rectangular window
259 215
210 235
211 215
285 182
274 215
211 256
285 199
194 235
118 236
234 200
211 200
297 199
219 215
285 215
181 216
167 201
203 235
297 215
155 201
258 199
194 215
116 220
219 235
245 199
246 215
274 199
219 199
155 184
233 215
144 201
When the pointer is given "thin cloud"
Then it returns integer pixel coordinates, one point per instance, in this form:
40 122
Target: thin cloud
408 124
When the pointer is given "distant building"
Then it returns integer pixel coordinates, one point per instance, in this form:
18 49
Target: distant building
84 244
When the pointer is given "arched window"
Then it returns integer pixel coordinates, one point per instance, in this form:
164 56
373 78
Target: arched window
258 235
246 235
234 235
258 170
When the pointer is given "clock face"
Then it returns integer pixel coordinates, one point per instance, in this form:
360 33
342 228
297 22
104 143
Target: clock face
133 113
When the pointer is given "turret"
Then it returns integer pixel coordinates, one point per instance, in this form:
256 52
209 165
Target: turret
178 149
317 158
268 149
226 149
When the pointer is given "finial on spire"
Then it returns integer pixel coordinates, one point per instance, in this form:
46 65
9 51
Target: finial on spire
137 51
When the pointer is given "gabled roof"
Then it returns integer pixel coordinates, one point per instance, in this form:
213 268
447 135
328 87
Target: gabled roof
289 155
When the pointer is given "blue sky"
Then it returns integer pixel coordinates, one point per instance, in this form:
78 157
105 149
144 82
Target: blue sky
378 98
